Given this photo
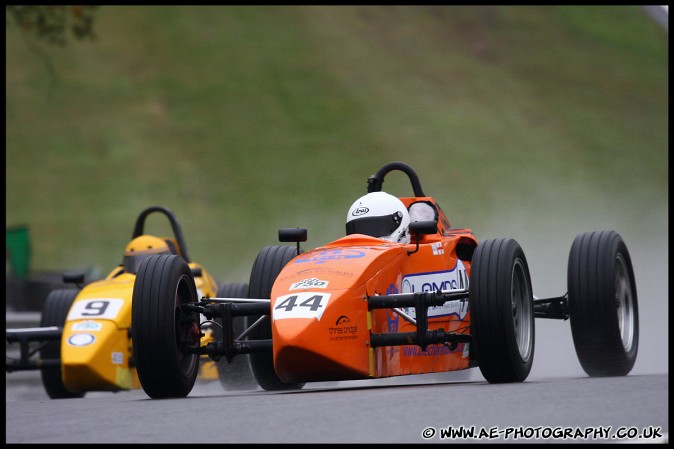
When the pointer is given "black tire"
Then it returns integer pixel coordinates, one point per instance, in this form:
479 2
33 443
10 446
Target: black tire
54 313
501 311
236 375
162 330
601 282
266 269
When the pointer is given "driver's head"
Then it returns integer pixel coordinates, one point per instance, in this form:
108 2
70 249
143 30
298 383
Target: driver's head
140 248
381 215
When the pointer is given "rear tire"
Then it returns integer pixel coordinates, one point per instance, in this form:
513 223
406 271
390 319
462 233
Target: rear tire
162 330
54 313
603 307
501 311
236 375
268 264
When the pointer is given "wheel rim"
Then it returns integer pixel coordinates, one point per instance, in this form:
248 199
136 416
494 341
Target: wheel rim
521 310
624 303
187 336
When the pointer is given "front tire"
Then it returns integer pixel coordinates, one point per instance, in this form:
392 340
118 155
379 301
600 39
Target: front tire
165 334
268 264
501 311
603 307
54 313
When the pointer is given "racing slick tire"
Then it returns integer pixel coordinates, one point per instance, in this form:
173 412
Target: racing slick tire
236 375
54 313
165 334
266 268
502 311
603 306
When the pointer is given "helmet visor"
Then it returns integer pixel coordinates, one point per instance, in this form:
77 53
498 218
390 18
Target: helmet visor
382 226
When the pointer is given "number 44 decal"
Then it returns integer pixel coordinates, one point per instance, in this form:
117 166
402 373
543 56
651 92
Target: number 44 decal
300 305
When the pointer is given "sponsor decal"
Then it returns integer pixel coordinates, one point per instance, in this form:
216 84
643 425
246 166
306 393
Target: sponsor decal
457 308
330 254
300 305
392 322
331 271
81 339
392 327
104 308
91 326
343 329
117 358
309 283
431 350
362 210
455 279
319 270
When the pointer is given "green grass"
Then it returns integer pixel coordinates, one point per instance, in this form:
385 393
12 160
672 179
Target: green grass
246 119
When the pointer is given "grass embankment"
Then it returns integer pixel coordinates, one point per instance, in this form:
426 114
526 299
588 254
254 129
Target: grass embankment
246 119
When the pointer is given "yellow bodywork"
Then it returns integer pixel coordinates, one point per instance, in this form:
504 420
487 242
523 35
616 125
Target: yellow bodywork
96 346
208 369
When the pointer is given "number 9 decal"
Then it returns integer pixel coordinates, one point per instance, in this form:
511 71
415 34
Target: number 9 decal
98 308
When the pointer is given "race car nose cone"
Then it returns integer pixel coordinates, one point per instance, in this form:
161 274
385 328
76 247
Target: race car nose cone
312 350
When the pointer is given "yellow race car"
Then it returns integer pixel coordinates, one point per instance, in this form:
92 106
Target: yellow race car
84 339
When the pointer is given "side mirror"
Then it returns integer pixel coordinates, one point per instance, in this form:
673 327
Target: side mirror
423 227
292 235
418 228
73 277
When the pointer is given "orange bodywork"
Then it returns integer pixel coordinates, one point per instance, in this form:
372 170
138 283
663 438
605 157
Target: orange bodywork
321 325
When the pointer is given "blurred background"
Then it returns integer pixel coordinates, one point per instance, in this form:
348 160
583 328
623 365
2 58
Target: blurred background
530 122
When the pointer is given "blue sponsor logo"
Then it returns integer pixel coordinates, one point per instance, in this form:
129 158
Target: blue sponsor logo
81 339
454 279
392 320
331 254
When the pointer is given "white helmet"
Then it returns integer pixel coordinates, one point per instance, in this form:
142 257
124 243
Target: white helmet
379 214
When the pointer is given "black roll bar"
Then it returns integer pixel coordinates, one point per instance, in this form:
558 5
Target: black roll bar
175 226
374 182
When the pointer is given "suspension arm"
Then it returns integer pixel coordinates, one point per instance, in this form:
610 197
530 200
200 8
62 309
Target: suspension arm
554 308
26 335
421 302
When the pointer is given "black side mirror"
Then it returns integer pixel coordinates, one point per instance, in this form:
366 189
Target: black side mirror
292 235
418 228
74 277
423 227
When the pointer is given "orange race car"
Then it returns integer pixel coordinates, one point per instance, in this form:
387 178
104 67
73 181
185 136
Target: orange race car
402 293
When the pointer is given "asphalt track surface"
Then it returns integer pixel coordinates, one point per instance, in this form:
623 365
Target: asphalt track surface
394 410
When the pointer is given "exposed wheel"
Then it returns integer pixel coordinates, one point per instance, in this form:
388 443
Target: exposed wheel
54 313
163 331
603 304
266 268
502 311
236 375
